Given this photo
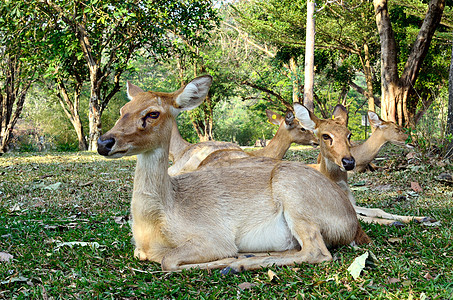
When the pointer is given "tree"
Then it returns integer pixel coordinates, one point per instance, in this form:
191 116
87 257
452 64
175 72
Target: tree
110 32
309 56
396 88
449 130
19 40
66 75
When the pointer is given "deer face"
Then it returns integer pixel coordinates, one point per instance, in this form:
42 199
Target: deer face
392 132
146 121
296 132
333 136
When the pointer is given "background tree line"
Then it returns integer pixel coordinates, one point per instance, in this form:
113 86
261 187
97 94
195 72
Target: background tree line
66 62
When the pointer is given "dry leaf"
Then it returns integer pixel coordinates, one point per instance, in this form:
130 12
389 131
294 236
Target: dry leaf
272 275
393 280
416 187
395 240
6 257
246 286
428 276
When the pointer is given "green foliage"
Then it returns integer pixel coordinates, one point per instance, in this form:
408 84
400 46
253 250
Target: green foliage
237 121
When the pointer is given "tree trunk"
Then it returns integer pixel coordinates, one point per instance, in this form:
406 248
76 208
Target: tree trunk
309 56
395 89
449 129
368 78
71 109
14 96
294 78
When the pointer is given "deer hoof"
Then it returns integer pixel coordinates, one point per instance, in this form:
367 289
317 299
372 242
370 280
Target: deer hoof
397 224
228 271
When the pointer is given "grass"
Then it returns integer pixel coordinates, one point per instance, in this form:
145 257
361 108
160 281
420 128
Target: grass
48 199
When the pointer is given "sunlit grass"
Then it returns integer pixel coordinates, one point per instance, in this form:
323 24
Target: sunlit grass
53 198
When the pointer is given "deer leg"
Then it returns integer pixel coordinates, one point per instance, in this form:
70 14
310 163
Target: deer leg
197 253
313 250
375 215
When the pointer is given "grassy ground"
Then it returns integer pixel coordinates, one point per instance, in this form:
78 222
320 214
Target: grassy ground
47 200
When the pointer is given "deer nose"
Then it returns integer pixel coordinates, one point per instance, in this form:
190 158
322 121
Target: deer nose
348 163
105 145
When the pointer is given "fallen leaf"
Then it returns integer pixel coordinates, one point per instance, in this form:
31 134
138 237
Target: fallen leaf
53 187
121 220
246 285
428 276
16 207
393 280
415 186
272 275
368 259
6 257
360 188
93 245
358 265
411 155
395 240
15 279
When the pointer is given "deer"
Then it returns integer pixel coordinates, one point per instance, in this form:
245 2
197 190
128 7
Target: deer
384 132
189 157
284 212
337 157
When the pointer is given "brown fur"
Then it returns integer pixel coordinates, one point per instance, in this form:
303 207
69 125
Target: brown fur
205 219
188 157
331 166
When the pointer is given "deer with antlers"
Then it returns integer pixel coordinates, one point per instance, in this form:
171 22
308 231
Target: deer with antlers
337 158
205 219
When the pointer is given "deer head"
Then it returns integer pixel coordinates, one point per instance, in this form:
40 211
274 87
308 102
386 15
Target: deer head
390 131
295 131
146 121
334 137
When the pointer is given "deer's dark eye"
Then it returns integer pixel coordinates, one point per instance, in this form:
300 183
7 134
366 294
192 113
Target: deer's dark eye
153 115
349 136
326 137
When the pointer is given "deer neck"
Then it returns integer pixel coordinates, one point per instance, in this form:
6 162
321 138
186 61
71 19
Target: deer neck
152 184
178 145
277 147
366 152
332 171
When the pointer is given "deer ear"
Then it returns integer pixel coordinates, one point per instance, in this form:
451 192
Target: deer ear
306 118
133 90
194 93
340 114
289 118
374 119
273 117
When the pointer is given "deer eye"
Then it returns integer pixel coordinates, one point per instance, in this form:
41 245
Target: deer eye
152 115
349 136
326 137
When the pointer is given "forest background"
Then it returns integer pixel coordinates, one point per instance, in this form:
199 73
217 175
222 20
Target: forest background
64 65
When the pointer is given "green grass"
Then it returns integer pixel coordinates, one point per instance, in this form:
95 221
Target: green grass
82 197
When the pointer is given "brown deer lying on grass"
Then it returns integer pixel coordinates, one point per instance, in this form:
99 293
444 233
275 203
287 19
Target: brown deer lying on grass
337 159
189 157
384 132
204 219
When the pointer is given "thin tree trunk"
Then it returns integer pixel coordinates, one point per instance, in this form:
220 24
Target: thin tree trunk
309 56
449 130
294 79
